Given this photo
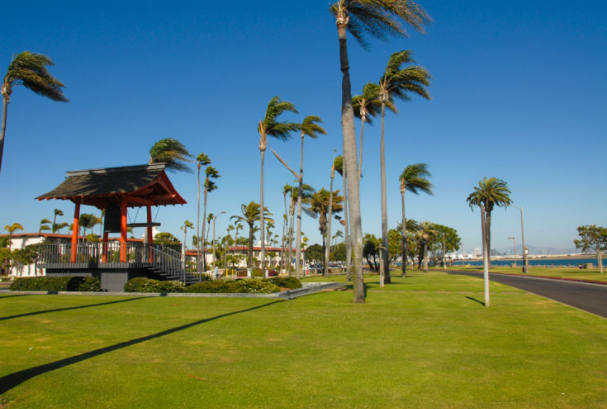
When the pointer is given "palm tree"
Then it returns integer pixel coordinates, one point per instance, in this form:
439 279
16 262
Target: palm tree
10 229
377 18
87 221
60 226
328 248
172 153
201 160
308 127
209 186
320 204
56 213
304 199
270 126
425 233
44 225
29 69
414 180
396 83
285 222
340 168
251 214
488 194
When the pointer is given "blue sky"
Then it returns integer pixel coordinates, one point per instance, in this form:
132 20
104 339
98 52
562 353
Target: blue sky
518 93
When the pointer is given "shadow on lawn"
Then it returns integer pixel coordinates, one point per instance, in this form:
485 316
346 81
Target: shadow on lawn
475 300
68 308
13 295
10 381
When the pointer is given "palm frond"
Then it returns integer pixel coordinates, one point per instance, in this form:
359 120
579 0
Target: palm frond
29 69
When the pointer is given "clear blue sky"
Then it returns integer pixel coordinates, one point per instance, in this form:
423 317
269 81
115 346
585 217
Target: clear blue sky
518 93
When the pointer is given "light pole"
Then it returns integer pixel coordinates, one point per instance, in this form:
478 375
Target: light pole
513 249
215 218
525 249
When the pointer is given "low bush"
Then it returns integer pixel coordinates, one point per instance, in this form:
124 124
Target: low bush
72 283
257 286
149 285
171 287
218 286
286 282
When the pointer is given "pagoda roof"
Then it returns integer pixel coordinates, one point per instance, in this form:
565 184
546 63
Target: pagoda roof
141 185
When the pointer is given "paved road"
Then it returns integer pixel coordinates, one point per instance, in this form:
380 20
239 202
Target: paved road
587 297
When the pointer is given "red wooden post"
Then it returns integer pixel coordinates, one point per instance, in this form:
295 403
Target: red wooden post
105 241
150 232
123 230
75 229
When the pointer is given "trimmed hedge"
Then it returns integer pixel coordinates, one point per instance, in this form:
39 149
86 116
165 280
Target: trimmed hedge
72 283
148 285
286 282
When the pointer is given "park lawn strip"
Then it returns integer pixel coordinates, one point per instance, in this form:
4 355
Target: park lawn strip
397 350
567 273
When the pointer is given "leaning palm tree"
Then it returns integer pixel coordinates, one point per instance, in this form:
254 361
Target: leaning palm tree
488 194
270 126
396 83
377 18
304 198
172 153
308 127
10 229
209 186
29 69
250 215
414 180
286 190
56 213
44 225
201 160
322 204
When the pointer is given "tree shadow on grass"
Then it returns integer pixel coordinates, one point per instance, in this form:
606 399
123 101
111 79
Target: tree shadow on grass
475 300
13 295
69 308
10 381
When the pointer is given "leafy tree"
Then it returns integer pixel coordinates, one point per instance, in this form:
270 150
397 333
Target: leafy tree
250 215
29 70
201 160
321 203
270 126
370 251
377 18
425 234
452 242
166 239
339 252
315 253
488 194
410 247
172 153
592 238
414 180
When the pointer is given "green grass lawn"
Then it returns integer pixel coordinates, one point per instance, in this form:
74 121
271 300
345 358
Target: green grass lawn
574 273
423 342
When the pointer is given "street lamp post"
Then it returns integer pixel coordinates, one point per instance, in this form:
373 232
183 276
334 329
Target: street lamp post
215 218
514 249
525 249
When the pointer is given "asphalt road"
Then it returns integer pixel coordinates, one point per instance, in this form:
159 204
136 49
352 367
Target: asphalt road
587 297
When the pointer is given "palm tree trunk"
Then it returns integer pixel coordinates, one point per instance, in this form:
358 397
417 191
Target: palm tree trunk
360 162
404 245
328 233
384 200
298 232
347 229
198 258
349 147
285 221
251 237
261 220
425 256
600 261
291 230
488 235
3 130
204 244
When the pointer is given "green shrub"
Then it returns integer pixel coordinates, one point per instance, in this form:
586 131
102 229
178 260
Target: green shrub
141 285
285 282
171 287
257 286
218 286
256 273
68 283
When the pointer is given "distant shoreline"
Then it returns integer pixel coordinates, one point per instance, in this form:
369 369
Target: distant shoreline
548 257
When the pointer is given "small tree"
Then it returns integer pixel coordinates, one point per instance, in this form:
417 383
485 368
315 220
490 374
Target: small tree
592 238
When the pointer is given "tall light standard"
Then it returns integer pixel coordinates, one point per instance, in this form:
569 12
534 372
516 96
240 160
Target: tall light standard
514 249
525 249
215 218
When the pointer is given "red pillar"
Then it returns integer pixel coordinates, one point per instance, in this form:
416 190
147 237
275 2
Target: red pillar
150 232
75 230
123 220
105 241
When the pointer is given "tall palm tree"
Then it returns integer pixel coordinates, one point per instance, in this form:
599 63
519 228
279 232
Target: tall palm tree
201 160
489 193
44 225
328 248
340 168
321 203
286 190
308 127
270 126
56 213
250 215
172 153
29 69
87 221
303 198
209 186
377 18
396 83
414 180
10 229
